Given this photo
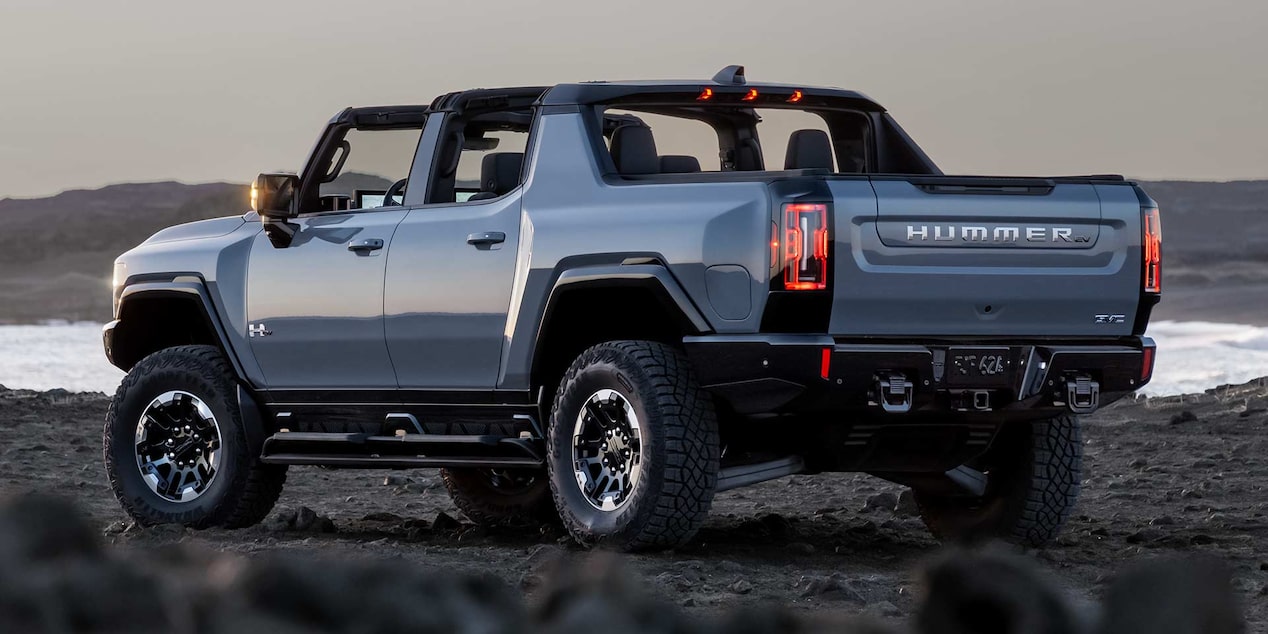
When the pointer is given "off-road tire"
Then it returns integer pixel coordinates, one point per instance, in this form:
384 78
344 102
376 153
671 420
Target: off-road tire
1034 470
244 489
474 492
679 447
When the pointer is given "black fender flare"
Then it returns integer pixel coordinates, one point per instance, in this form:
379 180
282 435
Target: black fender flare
652 276
186 287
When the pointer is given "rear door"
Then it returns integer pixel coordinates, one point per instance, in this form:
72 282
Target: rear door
977 256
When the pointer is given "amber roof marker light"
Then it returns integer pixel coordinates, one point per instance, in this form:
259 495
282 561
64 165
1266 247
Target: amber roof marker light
705 94
796 97
751 95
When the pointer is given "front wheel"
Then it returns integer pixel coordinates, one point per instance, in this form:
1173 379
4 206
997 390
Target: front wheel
1033 474
633 448
176 448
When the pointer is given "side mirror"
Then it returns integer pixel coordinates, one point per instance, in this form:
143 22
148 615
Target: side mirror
274 195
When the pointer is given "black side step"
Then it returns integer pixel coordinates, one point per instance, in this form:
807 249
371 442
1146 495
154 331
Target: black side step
401 451
401 462
744 475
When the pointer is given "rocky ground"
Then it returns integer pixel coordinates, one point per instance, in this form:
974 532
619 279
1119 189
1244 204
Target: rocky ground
1164 478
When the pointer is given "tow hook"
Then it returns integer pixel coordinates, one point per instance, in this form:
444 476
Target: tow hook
1083 395
894 393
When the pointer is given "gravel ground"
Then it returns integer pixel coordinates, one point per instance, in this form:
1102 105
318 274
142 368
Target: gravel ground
1164 477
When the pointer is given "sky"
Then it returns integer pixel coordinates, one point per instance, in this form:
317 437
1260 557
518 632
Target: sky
141 90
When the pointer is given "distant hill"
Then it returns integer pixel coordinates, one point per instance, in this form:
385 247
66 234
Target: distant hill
56 252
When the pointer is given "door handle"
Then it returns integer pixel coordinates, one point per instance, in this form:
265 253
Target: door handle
366 245
486 238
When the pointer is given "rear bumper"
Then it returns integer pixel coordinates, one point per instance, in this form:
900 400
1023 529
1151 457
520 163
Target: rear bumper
798 374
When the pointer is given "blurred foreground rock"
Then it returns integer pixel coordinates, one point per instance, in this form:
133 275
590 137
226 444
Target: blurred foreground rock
55 576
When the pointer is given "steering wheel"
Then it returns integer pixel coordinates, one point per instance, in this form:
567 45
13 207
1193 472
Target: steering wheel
397 188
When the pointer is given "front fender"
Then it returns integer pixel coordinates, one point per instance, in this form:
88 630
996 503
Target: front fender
125 340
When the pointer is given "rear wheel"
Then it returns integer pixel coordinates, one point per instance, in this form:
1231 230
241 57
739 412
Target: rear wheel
1033 473
633 448
500 497
176 448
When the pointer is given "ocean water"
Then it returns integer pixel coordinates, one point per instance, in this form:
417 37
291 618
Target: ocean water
1192 356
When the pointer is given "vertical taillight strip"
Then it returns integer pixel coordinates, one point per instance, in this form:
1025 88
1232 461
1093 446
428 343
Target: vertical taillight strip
805 247
1152 250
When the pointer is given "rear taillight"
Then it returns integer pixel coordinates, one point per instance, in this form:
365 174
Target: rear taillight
1152 251
805 247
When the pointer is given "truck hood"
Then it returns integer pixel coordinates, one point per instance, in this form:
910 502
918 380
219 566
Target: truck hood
212 228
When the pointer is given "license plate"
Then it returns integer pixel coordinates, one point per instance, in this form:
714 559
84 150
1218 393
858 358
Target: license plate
982 367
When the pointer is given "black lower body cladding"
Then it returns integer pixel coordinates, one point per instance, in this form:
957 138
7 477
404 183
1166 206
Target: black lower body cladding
808 374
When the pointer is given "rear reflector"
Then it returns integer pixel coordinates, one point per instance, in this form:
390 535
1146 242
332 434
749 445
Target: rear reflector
806 247
825 365
1147 364
1152 251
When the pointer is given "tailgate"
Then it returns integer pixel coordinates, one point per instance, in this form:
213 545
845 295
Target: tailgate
954 256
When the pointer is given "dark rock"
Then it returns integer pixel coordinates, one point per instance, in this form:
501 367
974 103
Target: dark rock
906 506
835 586
1182 596
1165 520
1007 594
281 520
1138 463
1145 536
166 531
305 518
801 548
741 586
1185 416
596 592
885 501
395 480
36 527
383 517
884 608
444 523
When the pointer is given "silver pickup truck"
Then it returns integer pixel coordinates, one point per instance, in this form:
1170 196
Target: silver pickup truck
603 303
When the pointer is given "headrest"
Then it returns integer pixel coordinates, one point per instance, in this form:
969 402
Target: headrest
634 150
679 164
808 149
500 172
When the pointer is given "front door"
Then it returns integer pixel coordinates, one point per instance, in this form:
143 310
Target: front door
315 308
315 305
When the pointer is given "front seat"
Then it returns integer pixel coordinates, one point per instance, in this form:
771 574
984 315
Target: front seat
499 174
679 164
808 150
634 151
